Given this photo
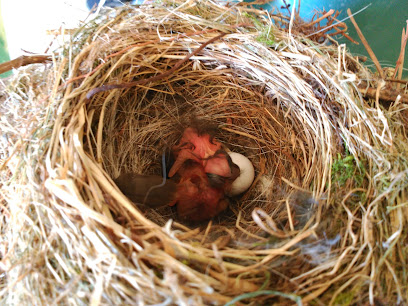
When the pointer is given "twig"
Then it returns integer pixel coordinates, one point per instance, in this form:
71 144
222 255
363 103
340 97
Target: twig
366 45
362 58
156 77
329 13
352 40
333 19
397 81
298 8
389 94
287 7
339 30
340 21
24 60
399 66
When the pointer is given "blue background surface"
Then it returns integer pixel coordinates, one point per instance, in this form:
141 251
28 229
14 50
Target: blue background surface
381 23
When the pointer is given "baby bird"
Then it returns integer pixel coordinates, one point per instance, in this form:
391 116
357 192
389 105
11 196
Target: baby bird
205 173
200 180
196 197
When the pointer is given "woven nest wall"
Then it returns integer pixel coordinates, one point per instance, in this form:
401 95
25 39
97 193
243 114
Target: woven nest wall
324 221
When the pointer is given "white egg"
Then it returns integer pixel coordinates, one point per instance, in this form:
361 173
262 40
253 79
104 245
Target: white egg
246 176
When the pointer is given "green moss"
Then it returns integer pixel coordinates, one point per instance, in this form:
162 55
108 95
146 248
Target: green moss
266 38
271 240
345 169
265 32
345 298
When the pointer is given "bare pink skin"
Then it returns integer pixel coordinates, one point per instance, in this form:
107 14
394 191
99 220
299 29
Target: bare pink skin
202 149
196 200
199 157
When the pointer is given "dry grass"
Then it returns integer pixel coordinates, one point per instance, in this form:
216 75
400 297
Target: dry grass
324 222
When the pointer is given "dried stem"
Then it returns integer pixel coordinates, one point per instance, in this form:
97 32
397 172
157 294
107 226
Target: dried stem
24 60
366 45
399 66
388 94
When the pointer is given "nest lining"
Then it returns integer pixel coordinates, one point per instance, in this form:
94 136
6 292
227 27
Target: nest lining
290 106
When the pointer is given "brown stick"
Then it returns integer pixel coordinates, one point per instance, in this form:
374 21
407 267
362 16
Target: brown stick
338 31
362 58
389 95
23 61
287 7
156 77
343 32
401 63
333 19
351 39
397 81
298 8
342 24
329 13
366 45
399 66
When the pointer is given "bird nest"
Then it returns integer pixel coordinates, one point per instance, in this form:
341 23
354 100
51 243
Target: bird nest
323 222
